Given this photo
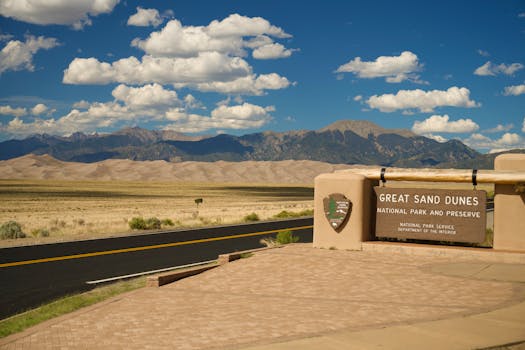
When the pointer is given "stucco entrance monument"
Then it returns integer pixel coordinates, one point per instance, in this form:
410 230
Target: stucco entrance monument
351 207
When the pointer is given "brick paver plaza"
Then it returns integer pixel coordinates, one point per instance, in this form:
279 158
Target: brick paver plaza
276 295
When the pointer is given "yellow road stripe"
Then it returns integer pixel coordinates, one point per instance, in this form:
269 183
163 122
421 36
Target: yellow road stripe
136 249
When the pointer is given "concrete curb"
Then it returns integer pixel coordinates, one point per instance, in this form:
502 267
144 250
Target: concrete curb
226 258
169 277
161 279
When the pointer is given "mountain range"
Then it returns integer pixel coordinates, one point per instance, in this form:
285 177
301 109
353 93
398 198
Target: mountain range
343 142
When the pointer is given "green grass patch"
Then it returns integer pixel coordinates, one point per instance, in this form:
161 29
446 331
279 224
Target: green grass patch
286 237
66 305
283 237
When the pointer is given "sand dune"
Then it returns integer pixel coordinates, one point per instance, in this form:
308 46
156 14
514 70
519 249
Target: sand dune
46 167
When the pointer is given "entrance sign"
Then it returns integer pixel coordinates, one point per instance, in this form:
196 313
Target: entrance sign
337 209
430 214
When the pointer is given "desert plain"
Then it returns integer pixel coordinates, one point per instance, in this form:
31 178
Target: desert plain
75 201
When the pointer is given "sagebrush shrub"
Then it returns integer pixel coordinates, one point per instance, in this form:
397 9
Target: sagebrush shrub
251 217
153 223
284 214
40 232
10 230
167 222
137 223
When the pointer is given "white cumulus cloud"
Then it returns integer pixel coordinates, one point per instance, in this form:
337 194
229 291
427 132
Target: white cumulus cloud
18 55
17 127
437 138
271 51
145 18
8 110
39 108
67 12
514 90
176 40
492 69
190 102
237 25
252 84
205 58
210 71
500 128
258 41
510 139
96 116
424 101
72 122
133 105
146 96
83 104
442 123
394 69
89 71
207 66
230 36
226 36
90 117
506 142
245 116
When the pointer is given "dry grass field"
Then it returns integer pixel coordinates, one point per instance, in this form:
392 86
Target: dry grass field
72 210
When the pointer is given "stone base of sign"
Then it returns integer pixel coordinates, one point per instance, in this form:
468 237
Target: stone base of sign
509 207
359 227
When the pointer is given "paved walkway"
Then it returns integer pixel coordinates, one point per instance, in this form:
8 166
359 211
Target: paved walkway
298 297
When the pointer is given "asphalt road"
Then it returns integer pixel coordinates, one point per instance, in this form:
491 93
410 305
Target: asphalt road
33 275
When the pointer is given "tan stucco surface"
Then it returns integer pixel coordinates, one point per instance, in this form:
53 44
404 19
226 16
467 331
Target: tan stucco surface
509 207
359 228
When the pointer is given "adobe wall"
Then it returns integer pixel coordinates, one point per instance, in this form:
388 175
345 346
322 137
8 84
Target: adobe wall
509 207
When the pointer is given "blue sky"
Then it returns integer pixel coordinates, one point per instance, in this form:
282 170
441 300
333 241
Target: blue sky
443 69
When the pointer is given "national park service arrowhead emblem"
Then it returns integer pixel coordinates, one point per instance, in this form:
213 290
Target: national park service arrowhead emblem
337 209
